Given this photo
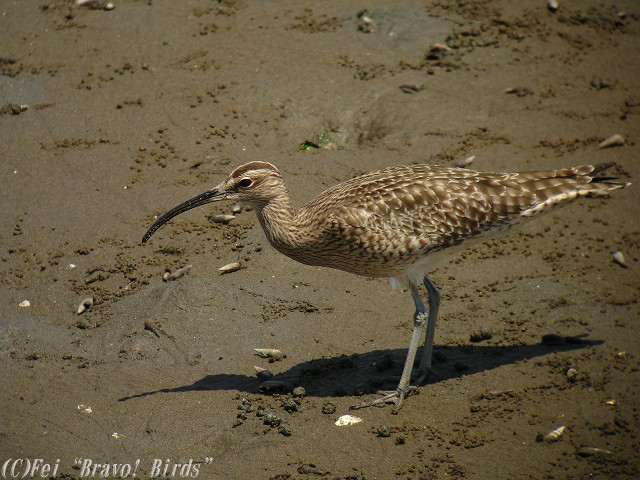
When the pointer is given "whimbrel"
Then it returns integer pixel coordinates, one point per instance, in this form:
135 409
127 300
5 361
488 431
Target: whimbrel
397 222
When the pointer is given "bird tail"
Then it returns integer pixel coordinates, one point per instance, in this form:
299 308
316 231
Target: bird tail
557 187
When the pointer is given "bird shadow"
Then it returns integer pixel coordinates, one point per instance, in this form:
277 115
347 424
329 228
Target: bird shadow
358 374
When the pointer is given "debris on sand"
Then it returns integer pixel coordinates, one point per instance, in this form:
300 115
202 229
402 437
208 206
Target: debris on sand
222 218
618 257
85 304
346 420
230 267
168 276
554 434
616 140
272 354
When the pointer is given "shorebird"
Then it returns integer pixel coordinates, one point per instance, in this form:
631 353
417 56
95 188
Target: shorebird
398 223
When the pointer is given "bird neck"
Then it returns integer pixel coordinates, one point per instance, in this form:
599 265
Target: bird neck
279 221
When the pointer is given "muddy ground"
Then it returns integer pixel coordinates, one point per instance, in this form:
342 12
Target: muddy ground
135 109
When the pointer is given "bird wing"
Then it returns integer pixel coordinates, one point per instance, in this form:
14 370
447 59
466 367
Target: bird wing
423 207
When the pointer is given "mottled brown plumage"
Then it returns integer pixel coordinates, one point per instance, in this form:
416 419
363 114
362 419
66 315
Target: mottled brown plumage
398 221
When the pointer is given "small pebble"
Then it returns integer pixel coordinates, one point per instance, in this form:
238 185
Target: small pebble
245 405
97 276
480 336
25 303
237 208
553 5
299 392
400 440
285 430
237 422
290 406
572 374
271 419
383 431
328 408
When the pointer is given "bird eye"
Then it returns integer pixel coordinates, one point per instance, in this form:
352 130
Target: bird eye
245 182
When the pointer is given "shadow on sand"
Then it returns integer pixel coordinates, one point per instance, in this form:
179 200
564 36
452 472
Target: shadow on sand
353 375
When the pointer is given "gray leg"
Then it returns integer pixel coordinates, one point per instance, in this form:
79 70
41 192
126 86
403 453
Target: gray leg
427 353
399 394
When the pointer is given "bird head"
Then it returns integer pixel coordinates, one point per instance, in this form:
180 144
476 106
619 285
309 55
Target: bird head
254 183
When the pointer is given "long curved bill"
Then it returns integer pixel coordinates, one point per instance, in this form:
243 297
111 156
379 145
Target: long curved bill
202 199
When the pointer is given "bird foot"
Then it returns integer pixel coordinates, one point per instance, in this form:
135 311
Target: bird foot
396 397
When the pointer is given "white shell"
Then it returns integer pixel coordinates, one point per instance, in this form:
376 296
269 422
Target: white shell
590 451
25 303
618 257
169 276
553 5
272 354
222 218
346 420
554 435
85 304
237 208
612 141
464 162
230 267
84 408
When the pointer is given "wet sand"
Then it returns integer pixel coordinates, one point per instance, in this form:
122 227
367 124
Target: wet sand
131 111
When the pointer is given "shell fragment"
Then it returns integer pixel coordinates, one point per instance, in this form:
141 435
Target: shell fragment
230 267
222 218
272 354
613 141
618 257
85 304
346 420
170 276
554 435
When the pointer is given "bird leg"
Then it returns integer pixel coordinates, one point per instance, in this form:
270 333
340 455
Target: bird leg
398 395
427 352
